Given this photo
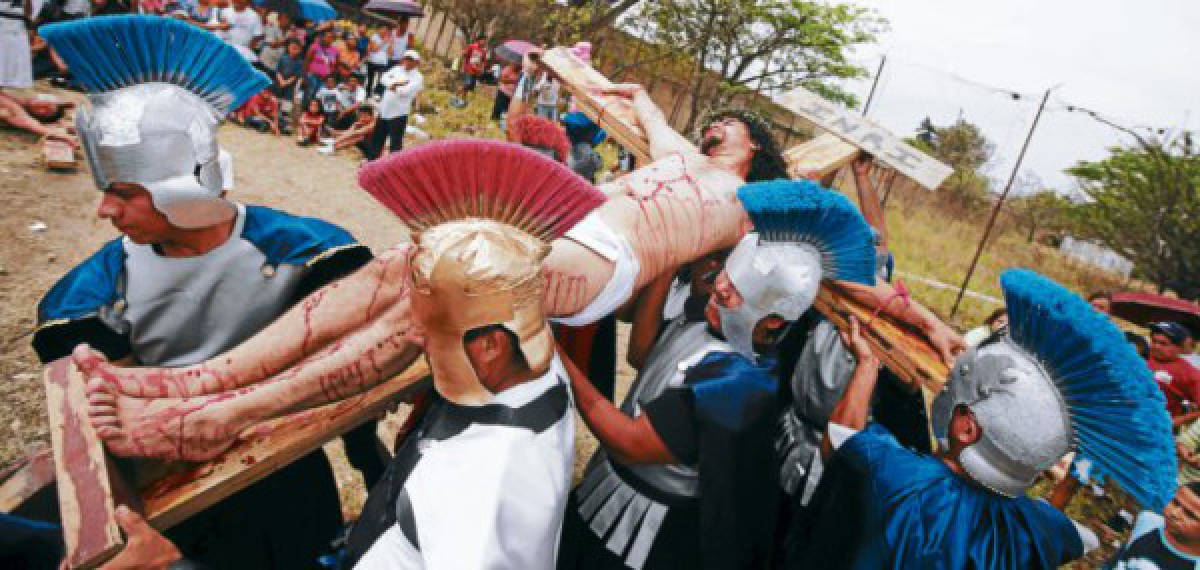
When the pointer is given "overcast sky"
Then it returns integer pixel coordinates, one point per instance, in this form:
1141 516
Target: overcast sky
1134 61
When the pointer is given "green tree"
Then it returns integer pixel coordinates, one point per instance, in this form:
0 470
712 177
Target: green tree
537 20
1040 212
964 148
1143 203
740 46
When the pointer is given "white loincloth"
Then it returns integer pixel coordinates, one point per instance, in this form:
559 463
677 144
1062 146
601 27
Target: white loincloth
592 233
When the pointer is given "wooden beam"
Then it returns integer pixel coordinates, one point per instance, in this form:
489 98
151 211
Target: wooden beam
85 497
267 447
867 135
58 155
614 114
818 156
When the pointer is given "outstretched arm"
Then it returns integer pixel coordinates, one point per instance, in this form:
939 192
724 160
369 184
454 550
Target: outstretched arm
900 307
664 140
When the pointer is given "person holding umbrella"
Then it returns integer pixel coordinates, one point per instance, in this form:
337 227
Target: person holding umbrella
507 86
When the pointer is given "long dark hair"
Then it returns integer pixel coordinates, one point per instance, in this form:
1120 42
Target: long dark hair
767 162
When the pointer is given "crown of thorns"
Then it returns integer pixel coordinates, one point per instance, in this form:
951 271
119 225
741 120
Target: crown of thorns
751 118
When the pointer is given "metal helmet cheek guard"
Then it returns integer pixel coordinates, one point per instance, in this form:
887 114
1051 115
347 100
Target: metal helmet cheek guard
803 233
482 273
1025 424
158 89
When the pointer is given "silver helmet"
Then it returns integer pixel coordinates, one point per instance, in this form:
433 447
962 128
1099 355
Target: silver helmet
803 234
1025 424
158 90
161 137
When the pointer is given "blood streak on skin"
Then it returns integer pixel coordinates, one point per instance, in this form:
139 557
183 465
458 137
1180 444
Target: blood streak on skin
310 305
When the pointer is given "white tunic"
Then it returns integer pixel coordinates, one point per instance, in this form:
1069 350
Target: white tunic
491 496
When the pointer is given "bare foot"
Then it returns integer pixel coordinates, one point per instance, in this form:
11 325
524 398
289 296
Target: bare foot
191 429
151 382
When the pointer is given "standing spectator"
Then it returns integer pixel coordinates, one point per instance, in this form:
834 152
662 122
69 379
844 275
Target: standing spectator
584 136
1101 301
308 128
16 61
351 97
245 25
400 42
377 59
1179 380
401 84
994 322
474 59
1139 344
275 39
319 63
507 85
1166 541
547 89
288 74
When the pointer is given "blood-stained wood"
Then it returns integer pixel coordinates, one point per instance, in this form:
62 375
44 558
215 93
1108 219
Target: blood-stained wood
24 478
84 493
266 448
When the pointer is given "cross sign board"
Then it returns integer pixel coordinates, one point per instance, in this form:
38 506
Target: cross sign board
867 135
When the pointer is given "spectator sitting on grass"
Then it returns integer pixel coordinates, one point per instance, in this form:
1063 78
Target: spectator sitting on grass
356 134
351 97
308 129
38 115
1167 540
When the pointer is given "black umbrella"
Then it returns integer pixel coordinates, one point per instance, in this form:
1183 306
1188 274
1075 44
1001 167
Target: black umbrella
396 8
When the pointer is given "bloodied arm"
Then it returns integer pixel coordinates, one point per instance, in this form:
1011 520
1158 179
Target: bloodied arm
664 140
900 307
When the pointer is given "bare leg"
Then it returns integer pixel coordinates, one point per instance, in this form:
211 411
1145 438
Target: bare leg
329 313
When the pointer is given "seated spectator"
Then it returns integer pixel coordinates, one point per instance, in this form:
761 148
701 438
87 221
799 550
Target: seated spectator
1167 540
348 57
994 322
356 134
327 95
1179 380
308 128
260 112
351 95
46 63
275 40
289 71
38 115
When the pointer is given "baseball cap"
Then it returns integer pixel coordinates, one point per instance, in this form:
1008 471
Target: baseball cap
1175 332
412 54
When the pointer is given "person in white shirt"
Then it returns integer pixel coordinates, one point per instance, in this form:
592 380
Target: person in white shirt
399 42
401 85
547 97
350 97
245 25
377 59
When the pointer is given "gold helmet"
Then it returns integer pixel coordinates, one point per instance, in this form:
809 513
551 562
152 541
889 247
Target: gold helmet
481 233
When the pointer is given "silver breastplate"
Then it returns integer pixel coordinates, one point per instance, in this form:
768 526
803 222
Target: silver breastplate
184 310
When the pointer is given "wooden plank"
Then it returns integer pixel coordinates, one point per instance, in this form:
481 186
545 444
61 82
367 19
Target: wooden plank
265 448
84 492
867 135
25 478
819 156
614 114
58 155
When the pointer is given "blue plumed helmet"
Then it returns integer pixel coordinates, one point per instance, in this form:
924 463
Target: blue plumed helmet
1062 379
803 234
158 90
1117 412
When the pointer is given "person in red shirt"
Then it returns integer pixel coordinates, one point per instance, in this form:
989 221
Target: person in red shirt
473 61
1178 379
260 112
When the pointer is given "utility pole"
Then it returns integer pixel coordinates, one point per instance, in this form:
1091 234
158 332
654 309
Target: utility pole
874 84
987 231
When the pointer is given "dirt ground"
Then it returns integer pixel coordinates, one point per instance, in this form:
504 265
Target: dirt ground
268 170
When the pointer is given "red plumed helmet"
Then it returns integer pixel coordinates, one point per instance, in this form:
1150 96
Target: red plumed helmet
540 132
